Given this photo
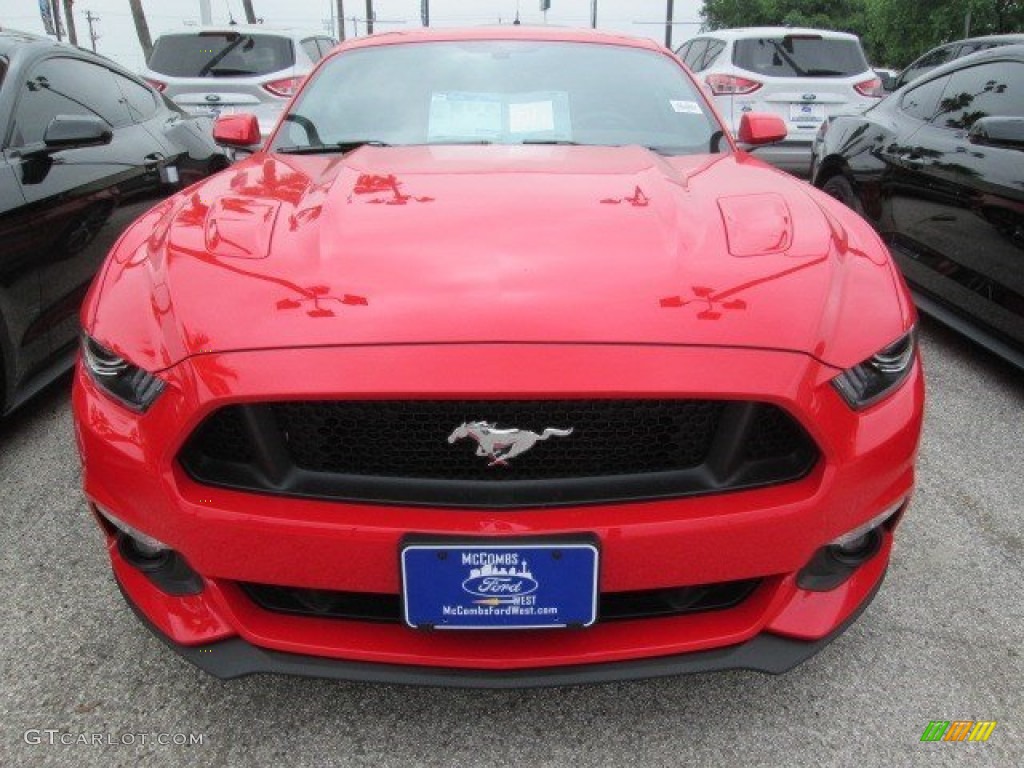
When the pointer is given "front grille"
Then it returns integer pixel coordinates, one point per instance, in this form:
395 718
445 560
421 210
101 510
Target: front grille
612 606
403 452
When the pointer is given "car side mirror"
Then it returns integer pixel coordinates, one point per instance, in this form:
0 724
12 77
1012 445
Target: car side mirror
240 131
759 128
72 131
1005 132
888 81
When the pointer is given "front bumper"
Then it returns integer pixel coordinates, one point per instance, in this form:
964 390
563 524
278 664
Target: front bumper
230 538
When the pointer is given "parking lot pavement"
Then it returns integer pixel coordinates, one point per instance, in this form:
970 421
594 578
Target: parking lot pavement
942 641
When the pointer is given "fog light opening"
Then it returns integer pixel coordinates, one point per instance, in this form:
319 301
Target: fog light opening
147 546
855 551
142 555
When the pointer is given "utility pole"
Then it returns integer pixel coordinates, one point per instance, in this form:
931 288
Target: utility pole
93 34
593 14
425 12
72 32
205 14
250 14
341 20
669 14
369 17
967 24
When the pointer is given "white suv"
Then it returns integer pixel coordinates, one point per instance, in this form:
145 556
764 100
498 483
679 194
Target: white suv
802 75
219 70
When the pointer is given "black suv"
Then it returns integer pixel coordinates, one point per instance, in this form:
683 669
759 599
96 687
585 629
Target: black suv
86 147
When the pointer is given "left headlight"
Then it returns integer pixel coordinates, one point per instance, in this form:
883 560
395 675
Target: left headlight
120 379
868 382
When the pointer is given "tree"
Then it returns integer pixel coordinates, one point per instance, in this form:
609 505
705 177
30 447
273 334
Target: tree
902 30
843 15
141 27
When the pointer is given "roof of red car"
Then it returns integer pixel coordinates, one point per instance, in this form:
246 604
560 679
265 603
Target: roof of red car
501 32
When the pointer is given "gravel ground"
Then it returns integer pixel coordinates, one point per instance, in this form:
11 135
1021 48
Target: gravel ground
941 641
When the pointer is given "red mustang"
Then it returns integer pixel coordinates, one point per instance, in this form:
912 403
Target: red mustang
499 363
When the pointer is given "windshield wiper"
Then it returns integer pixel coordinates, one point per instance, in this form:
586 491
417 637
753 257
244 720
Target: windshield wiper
217 59
797 69
341 146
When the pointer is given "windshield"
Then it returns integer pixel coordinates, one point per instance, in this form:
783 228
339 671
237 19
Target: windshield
800 56
502 92
220 54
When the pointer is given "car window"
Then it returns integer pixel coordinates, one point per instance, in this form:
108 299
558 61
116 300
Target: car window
140 100
3 71
501 91
221 54
800 56
968 48
922 101
312 49
927 63
683 50
326 45
715 48
995 89
64 86
696 53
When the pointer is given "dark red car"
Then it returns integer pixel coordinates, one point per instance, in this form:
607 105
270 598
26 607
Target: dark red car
498 364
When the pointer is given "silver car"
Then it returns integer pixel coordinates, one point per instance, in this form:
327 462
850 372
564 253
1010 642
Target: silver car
219 70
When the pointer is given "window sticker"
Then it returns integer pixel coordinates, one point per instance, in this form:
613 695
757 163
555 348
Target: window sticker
465 115
686 107
531 117
512 117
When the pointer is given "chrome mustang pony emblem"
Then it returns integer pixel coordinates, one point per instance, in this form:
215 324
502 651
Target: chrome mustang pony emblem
500 445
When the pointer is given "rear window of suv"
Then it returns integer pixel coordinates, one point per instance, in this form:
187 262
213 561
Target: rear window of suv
221 54
800 56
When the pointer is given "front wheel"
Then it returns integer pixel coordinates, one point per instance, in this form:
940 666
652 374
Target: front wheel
842 190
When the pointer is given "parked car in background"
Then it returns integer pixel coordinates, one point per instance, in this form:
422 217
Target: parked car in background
950 52
219 70
938 168
87 146
802 75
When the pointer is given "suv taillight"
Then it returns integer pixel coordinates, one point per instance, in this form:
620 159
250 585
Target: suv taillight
156 84
731 85
872 88
285 88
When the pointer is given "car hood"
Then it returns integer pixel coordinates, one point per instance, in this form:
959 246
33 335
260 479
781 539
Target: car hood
524 244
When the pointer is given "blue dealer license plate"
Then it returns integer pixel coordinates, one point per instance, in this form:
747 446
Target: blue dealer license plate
515 586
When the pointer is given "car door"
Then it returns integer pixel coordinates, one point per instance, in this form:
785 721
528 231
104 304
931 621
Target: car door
21 349
960 212
78 200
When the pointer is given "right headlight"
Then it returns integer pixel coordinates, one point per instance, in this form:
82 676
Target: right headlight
868 382
123 381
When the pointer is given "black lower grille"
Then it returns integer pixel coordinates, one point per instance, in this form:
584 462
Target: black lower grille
467 453
369 606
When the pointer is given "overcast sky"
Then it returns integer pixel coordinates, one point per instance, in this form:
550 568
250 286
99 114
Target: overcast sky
119 41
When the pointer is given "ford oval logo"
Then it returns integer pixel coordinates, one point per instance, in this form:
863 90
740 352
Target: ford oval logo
809 97
212 97
500 586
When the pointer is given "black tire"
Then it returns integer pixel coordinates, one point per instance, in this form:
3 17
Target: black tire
841 189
